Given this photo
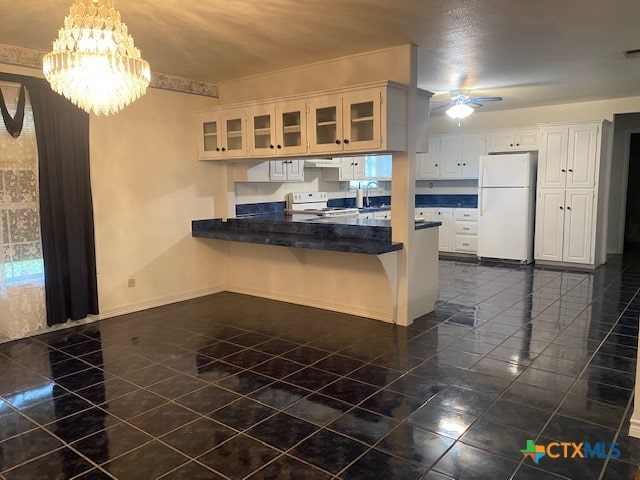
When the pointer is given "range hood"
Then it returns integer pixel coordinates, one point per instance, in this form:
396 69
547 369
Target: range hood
322 162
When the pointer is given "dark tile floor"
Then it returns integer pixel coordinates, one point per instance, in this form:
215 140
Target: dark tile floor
237 387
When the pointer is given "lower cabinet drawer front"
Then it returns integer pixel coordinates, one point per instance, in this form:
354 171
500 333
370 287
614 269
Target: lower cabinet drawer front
466 243
467 228
466 214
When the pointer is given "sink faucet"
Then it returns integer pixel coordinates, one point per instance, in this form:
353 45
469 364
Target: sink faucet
367 200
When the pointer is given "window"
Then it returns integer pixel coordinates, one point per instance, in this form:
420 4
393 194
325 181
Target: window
19 204
376 167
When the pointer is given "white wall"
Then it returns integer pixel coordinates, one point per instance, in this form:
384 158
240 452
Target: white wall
147 187
447 187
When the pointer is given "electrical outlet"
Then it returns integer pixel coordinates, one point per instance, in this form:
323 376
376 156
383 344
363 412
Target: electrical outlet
131 282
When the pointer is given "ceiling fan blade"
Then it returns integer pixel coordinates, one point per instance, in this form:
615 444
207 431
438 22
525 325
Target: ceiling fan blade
485 99
441 106
474 104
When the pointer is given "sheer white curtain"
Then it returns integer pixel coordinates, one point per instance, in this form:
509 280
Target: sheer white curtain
22 300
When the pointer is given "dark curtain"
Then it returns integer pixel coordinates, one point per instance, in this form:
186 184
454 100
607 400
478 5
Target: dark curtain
66 209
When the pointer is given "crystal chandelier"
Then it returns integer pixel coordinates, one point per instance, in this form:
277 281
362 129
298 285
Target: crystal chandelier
94 62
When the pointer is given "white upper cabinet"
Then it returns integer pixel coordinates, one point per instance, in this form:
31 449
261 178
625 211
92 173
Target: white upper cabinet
349 122
568 156
277 129
428 167
582 156
368 118
513 140
473 147
450 160
552 158
325 124
451 157
291 128
222 134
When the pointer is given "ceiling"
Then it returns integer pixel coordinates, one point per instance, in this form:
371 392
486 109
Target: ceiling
529 52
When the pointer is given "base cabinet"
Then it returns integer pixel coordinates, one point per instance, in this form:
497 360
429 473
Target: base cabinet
564 226
459 229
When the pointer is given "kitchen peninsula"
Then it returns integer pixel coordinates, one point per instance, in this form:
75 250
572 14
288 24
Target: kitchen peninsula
342 264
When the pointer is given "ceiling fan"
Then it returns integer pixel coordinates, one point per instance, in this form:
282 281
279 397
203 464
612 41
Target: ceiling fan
461 104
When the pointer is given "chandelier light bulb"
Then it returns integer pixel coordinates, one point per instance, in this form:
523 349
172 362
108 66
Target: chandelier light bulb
94 62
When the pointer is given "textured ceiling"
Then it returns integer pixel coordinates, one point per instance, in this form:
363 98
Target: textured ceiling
529 52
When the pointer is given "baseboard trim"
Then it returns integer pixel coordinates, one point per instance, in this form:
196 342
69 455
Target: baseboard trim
315 303
634 428
159 301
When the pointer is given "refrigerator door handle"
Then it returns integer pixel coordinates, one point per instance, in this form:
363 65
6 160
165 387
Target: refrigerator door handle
480 203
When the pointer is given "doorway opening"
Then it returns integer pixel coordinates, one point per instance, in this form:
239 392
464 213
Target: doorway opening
632 216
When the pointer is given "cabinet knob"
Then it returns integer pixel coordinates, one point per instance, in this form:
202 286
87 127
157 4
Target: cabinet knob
279 146
271 146
571 170
464 164
563 171
517 144
356 164
561 208
436 164
217 149
568 208
511 144
458 164
224 149
346 140
338 142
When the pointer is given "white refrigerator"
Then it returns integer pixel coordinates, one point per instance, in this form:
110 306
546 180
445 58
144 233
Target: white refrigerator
506 206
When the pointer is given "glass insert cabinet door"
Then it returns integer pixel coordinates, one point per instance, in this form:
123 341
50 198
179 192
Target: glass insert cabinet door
234 134
261 130
209 136
362 114
325 115
292 128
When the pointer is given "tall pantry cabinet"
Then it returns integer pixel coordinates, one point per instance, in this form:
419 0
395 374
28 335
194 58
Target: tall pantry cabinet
571 209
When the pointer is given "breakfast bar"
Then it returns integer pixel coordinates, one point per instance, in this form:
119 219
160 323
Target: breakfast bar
347 265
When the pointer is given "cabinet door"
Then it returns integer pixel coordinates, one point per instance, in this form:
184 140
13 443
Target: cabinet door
291 126
445 241
278 171
581 161
578 224
428 165
325 124
473 147
261 130
549 225
552 159
209 136
234 129
362 126
526 139
346 169
295 170
501 142
451 157
359 168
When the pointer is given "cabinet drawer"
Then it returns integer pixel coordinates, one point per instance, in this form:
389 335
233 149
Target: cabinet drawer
466 243
466 228
465 214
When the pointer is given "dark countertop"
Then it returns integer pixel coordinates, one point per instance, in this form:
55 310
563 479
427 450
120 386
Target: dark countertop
340 234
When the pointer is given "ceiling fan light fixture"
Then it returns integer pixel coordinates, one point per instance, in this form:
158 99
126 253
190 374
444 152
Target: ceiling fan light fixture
459 111
94 62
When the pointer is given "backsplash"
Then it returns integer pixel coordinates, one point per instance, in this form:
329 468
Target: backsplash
461 201
422 200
